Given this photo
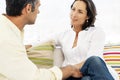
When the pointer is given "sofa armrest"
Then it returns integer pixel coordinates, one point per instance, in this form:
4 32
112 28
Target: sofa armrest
58 57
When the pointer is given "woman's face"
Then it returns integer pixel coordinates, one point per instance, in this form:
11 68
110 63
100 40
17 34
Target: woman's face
78 13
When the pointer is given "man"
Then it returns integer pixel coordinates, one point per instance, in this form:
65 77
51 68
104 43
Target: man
14 63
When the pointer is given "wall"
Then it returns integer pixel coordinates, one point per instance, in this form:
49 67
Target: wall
54 17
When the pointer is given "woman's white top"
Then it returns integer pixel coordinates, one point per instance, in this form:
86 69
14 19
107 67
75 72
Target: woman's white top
90 43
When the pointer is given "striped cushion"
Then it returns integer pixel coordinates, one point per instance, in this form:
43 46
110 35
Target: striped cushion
112 57
41 55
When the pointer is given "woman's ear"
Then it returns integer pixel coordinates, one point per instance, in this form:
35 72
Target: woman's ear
87 18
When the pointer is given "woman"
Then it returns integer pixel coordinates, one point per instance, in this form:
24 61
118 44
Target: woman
84 43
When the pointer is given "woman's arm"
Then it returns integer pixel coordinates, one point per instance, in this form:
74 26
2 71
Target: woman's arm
96 44
28 46
71 71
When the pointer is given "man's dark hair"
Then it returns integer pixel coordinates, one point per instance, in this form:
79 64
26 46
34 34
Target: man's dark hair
15 7
91 13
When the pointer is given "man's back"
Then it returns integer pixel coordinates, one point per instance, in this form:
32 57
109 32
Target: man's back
13 53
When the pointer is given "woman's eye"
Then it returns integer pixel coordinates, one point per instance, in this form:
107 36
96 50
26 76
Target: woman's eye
73 9
80 11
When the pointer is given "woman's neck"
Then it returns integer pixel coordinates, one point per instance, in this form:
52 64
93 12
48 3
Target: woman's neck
77 29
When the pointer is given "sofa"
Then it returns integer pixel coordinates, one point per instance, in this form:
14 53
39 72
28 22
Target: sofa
42 55
112 57
46 56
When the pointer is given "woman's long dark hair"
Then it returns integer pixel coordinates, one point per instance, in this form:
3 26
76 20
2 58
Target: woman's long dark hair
91 13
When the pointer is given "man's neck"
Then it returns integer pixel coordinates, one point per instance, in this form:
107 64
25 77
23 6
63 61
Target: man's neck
17 21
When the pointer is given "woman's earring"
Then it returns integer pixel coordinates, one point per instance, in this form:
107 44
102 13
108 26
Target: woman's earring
87 21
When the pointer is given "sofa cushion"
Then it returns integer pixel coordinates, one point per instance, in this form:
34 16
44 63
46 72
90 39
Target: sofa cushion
41 55
112 57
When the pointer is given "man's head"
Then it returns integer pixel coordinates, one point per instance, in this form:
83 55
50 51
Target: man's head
26 8
15 7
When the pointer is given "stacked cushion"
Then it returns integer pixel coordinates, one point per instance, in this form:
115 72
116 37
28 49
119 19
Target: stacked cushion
42 55
112 57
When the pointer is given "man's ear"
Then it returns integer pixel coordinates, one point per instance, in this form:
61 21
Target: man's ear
28 8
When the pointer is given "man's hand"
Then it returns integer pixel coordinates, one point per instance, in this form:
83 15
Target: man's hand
71 71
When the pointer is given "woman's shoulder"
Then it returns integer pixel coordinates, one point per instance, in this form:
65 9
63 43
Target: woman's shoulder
95 29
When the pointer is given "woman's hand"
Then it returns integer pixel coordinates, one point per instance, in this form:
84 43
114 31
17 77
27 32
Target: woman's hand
71 70
28 46
76 72
79 65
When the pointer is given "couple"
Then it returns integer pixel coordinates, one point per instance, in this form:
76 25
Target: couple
82 62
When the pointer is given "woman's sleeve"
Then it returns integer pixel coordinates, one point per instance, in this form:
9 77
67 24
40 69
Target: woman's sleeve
96 43
49 39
